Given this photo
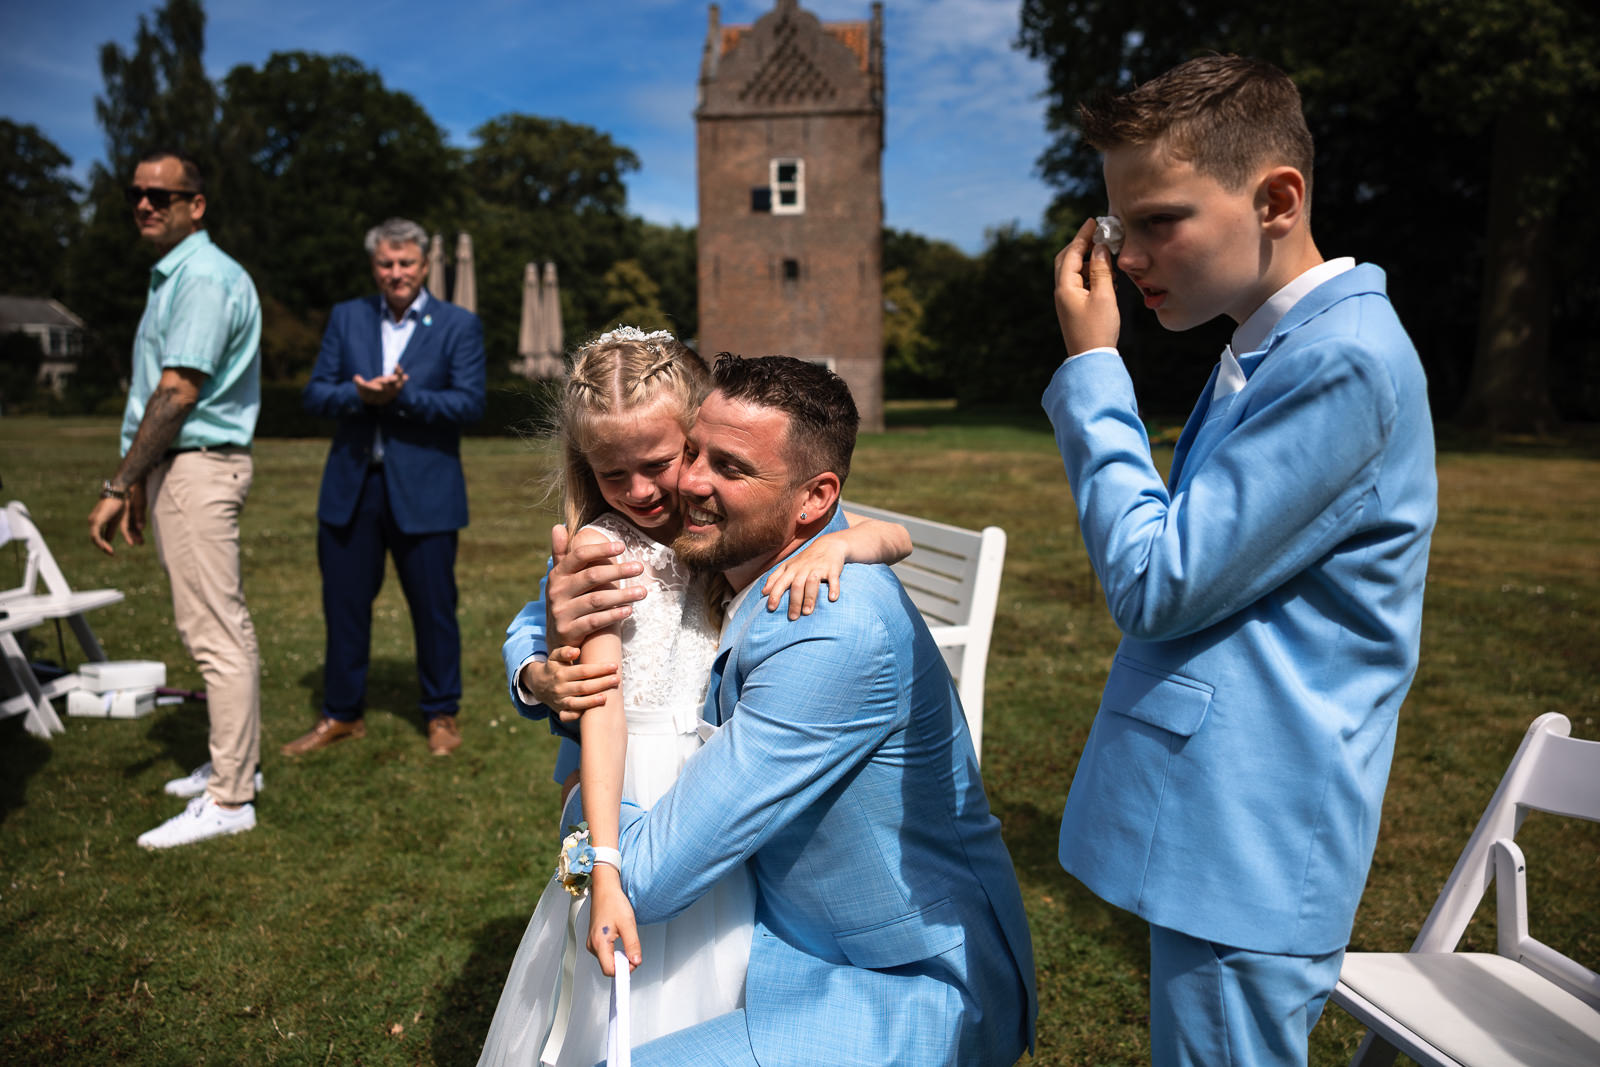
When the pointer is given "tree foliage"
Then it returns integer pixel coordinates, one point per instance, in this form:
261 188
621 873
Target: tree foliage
632 297
543 189
304 152
41 203
20 358
993 325
157 97
321 150
669 255
916 271
1410 102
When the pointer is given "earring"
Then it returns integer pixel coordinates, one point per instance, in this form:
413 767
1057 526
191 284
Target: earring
802 516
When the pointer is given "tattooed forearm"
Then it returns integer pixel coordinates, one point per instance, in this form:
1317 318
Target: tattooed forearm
163 418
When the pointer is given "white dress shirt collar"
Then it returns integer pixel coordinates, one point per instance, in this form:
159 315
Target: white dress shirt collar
1253 332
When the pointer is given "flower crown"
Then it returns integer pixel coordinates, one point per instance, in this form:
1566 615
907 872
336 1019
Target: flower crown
629 333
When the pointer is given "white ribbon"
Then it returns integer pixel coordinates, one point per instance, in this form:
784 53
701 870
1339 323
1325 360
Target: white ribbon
618 1032
569 962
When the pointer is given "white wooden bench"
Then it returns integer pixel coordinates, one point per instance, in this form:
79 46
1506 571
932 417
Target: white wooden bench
953 577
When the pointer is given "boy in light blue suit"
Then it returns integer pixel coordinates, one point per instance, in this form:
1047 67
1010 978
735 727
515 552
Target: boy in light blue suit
1270 593
889 923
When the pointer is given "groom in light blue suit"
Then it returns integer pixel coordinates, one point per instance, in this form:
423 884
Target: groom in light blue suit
1269 593
889 923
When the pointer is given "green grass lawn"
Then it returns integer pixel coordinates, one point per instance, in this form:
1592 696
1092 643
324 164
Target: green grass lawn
371 916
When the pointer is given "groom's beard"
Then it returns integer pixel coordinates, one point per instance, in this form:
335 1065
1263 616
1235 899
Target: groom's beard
732 542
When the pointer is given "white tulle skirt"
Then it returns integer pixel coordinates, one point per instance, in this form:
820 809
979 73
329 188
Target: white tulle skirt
693 968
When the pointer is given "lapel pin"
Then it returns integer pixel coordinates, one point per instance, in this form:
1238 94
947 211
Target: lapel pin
427 320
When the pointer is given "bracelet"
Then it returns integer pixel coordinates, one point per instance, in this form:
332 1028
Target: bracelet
608 856
108 490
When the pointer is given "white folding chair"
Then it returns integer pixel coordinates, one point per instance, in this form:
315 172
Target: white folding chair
27 605
1523 1004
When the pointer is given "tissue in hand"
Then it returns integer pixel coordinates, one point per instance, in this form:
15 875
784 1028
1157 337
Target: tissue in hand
1108 232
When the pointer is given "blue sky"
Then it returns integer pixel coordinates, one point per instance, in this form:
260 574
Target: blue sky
965 115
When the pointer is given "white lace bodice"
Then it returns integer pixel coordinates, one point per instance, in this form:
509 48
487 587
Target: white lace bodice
668 643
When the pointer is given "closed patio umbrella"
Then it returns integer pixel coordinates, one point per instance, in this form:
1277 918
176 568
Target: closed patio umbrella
553 342
466 294
530 337
436 266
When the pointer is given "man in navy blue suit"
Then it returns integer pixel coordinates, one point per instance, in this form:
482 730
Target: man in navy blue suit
402 371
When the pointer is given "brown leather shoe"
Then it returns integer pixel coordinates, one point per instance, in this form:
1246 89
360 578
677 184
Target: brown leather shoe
325 733
444 736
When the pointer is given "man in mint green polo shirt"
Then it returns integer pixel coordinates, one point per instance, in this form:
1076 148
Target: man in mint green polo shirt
186 436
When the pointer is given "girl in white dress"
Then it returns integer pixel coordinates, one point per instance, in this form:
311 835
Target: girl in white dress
629 401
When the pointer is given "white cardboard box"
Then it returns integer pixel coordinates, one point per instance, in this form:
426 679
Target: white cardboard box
111 675
117 704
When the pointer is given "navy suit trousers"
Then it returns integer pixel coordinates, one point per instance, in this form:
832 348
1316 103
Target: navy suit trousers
352 560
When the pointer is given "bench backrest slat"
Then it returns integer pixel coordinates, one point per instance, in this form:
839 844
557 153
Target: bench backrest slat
953 578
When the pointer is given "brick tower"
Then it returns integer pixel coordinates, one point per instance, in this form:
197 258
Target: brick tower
789 135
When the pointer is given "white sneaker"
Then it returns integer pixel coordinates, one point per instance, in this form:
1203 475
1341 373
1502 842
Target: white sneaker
202 819
194 783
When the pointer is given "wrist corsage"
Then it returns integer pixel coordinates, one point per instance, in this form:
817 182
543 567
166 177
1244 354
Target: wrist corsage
575 864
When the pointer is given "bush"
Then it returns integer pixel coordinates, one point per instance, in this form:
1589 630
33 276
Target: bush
511 409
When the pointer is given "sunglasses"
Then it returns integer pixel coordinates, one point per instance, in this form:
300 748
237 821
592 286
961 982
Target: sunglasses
159 198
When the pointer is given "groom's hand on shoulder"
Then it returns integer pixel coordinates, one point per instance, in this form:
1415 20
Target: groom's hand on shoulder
584 592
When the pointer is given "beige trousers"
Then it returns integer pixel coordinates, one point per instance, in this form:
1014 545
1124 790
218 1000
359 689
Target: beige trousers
195 499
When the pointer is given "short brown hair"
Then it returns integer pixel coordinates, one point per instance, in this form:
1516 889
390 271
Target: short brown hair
1228 116
193 176
822 413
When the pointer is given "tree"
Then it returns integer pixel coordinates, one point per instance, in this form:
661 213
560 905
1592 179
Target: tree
907 370
41 203
322 150
156 97
1408 101
20 358
1526 73
545 189
992 326
915 273
669 256
633 299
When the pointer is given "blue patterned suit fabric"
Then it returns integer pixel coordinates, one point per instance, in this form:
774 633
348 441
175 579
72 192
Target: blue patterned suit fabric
1271 605
444 364
889 922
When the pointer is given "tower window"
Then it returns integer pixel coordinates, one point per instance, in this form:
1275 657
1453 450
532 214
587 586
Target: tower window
788 184
791 270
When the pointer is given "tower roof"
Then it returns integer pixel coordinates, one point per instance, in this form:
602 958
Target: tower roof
790 61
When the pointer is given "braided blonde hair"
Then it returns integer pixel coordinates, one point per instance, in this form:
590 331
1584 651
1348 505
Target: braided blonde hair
622 371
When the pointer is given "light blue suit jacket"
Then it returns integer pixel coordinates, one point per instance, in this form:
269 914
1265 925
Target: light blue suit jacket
889 922
525 638
444 391
1271 605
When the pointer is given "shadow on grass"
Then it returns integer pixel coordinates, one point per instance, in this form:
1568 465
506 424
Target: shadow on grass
391 690
184 733
930 414
467 1004
21 757
1573 440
